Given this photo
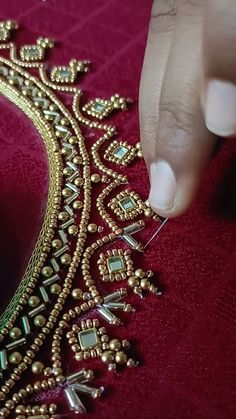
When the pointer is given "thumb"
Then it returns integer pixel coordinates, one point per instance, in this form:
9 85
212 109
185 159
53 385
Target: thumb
219 96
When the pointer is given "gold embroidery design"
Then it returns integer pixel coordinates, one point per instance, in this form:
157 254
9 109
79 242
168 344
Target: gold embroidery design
37 314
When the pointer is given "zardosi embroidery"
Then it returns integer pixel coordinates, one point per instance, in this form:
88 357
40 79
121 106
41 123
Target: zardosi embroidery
47 308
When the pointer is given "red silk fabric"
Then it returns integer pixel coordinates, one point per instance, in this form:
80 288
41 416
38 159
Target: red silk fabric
185 339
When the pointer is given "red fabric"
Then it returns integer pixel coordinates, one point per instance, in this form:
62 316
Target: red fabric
185 339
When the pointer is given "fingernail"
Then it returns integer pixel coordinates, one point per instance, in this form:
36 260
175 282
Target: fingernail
163 186
220 107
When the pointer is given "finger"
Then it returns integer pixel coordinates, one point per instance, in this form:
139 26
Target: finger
220 66
183 143
156 55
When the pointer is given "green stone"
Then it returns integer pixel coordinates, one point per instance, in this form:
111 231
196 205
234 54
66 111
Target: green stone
33 52
99 107
65 72
120 152
115 264
88 338
127 204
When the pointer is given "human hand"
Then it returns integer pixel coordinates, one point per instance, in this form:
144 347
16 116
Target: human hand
187 95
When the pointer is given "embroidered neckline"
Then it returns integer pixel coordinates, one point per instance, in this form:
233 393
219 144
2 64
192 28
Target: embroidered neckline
37 313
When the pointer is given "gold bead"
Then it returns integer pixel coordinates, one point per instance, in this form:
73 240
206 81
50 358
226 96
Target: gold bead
15 358
148 212
67 171
65 259
77 160
37 367
66 192
63 216
2 396
47 271
65 151
133 281
120 357
4 411
9 404
56 244
95 178
73 230
55 289
78 181
145 284
39 321
77 293
92 228
107 357
52 408
79 356
37 386
114 345
43 409
73 140
98 300
53 107
20 410
15 333
77 205
47 371
64 121
139 273
84 307
33 301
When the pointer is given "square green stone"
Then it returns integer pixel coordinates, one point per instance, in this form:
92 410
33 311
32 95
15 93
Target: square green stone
65 72
115 264
120 152
33 52
88 338
99 107
127 204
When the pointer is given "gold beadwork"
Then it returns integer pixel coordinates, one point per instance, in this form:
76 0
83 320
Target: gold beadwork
35 52
6 28
115 265
100 108
120 153
62 74
127 205
60 249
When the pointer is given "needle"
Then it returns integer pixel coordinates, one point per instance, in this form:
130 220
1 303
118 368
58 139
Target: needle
156 232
